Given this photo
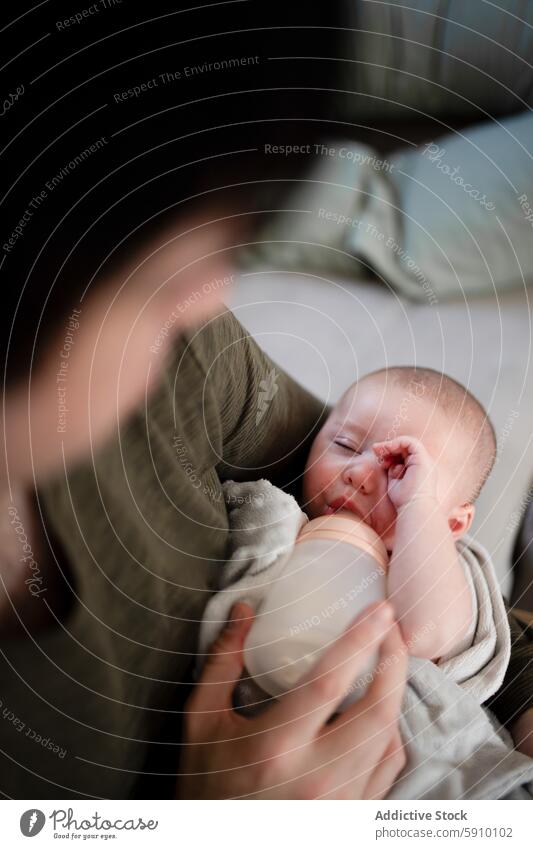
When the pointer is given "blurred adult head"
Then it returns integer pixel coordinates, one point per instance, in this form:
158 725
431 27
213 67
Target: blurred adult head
135 166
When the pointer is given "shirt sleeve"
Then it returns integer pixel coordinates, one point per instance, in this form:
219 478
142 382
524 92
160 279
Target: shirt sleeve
515 696
267 420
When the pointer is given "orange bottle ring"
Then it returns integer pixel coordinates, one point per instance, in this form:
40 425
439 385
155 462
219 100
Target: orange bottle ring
345 527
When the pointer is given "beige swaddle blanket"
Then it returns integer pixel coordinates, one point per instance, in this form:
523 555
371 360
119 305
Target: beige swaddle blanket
456 749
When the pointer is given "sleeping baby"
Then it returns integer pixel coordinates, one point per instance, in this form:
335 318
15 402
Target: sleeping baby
407 450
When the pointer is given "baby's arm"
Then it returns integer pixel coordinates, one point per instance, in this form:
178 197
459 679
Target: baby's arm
426 582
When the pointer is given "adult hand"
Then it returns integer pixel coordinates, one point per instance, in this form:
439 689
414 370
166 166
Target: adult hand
291 751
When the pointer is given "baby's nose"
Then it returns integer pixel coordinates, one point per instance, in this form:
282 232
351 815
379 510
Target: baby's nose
362 473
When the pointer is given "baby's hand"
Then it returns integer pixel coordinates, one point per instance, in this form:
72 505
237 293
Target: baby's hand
411 471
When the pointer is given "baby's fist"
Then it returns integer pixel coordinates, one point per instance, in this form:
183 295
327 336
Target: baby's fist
410 469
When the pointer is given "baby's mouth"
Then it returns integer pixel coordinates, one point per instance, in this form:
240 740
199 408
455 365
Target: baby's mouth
344 504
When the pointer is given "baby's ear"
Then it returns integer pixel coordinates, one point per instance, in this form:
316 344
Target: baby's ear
460 519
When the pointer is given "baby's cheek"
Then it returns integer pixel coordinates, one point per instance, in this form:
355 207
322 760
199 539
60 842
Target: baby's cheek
318 479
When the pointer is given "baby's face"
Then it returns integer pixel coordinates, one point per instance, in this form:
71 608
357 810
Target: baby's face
343 471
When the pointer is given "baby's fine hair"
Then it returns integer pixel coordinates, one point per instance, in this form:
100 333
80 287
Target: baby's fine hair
461 408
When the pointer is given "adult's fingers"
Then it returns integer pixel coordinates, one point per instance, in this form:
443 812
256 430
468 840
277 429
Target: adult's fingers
365 728
307 707
370 778
383 699
387 770
223 665
361 736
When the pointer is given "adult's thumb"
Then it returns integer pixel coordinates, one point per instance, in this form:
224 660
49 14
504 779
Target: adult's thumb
224 663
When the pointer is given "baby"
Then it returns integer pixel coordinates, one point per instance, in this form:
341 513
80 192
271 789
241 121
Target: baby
408 451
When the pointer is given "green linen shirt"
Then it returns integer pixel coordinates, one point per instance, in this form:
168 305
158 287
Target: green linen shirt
143 528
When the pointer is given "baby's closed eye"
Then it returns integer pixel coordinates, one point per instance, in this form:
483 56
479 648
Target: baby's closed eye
347 446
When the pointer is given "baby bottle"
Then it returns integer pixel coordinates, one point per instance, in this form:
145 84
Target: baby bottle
337 567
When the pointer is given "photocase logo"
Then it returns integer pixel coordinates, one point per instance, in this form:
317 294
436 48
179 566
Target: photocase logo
268 389
32 822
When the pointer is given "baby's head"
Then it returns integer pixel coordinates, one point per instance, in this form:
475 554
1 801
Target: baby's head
343 470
